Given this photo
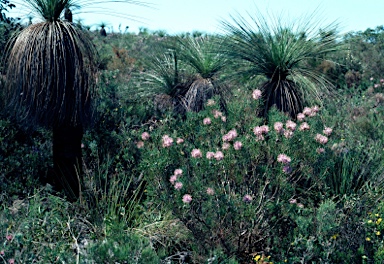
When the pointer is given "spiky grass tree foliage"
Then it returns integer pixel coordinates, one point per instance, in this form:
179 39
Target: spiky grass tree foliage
50 82
201 55
189 72
285 54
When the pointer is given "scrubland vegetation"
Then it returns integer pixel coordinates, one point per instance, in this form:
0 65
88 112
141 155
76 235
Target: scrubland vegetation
259 145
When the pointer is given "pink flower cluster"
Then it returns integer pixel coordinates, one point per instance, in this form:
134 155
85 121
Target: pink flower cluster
279 127
321 139
145 136
256 94
218 155
211 102
226 146
260 131
290 125
327 131
282 158
174 178
218 114
247 198
210 191
167 141
187 198
231 135
304 126
207 121
179 141
237 145
196 153
140 144
310 111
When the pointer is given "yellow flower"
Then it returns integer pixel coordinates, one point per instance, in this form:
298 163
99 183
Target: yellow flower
257 258
378 221
378 233
367 239
334 236
369 221
377 215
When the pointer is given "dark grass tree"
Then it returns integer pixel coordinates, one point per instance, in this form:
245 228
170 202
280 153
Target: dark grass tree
285 54
50 82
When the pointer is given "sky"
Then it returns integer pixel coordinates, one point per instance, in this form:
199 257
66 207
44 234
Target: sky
177 16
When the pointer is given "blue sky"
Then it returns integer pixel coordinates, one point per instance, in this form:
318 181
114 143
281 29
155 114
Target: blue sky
175 16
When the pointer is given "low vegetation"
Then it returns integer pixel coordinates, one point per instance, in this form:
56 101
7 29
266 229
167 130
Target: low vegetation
205 149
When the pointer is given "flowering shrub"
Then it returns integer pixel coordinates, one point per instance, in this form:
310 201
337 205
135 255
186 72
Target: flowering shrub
239 176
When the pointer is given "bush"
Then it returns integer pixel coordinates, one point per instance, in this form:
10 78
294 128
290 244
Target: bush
236 183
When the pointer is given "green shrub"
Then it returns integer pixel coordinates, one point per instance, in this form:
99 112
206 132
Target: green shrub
237 197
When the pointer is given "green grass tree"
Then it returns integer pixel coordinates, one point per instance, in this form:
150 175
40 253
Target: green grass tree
190 72
285 54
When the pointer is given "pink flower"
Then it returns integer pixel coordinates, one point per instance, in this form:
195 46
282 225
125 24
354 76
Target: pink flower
178 172
226 146
11 261
210 155
247 198
371 79
167 141
300 117
307 111
282 158
382 80
187 198
207 121
82 145
327 131
261 130
231 135
178 185
9 237
173 179
320 150
300 205
211 102
2 253
210 191
217 113
224 119
290 125
145 136
288 133
256 94
140 144
237 145
315 109
219 155
304 126
292 201
376 85
321 139
179 140
196 153
278 126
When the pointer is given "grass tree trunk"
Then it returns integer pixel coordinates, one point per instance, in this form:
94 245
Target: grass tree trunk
67 159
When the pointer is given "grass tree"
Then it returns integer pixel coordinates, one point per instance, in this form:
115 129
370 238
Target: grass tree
285 54
50 82
190 72
51 67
